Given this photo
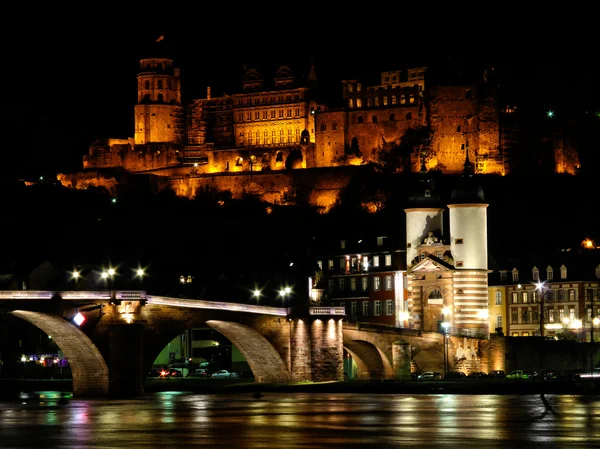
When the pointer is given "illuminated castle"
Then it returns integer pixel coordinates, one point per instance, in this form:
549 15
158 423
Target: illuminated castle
280 125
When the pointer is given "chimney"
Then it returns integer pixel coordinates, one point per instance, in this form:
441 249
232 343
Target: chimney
208 93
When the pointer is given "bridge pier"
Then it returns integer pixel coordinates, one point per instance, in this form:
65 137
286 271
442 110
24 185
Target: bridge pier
401 357
327 349
126 360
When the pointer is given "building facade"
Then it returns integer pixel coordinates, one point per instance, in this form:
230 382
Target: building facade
367 276
565 287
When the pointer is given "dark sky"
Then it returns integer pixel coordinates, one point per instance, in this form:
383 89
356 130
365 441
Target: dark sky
70 76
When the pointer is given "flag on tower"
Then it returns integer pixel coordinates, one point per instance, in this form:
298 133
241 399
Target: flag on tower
160 38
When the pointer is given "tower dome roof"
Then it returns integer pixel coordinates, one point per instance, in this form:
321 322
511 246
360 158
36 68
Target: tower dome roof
424 194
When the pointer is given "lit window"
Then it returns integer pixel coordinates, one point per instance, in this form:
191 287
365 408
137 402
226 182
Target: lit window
388 283
365 283
377 308
353 284
376 283
389 307
498 298
388 260
375 261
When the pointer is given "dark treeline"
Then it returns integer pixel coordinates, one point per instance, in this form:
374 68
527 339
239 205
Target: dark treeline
230 242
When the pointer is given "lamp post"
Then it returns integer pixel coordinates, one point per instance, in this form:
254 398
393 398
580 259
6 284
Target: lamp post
541 288
542 292
445 330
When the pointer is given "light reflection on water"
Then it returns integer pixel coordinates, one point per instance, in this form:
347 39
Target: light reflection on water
301 420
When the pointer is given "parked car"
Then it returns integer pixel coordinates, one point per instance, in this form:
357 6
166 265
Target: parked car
519 374
452 375
430 375
477 375
223 373
497 374
199 372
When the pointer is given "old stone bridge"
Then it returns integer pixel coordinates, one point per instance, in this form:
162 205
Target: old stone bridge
124 331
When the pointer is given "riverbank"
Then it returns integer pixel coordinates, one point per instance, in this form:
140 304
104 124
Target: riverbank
10 388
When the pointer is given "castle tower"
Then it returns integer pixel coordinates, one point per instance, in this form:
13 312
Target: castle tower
158 112
468 245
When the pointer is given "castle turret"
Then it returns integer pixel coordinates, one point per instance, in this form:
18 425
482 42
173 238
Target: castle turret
158 113
468 244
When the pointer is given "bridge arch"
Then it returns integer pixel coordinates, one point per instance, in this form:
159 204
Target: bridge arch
88 368
372 359
264 360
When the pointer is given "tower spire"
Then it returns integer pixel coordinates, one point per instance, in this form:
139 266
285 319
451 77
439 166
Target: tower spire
468 170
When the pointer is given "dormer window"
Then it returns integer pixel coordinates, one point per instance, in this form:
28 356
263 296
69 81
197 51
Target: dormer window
536 274
503 275
563 272
515 275
549 273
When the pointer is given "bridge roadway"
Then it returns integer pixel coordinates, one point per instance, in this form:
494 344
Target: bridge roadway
124 331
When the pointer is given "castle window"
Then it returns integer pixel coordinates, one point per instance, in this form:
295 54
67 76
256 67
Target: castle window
257 115
323 126
409 116
281 113
334 125
360 119
289 112
227 166
376 101
239 161
265 114
351 103
458 129
369 102
147 85
385 100
374 119
272 113
411 100
160 98
535 274
402 99
392 117
279 157
458 241
160 84
297 111
394 99
359 103
549 273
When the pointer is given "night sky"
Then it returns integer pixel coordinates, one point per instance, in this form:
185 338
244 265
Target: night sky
70 76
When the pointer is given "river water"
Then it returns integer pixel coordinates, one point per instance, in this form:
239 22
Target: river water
301 420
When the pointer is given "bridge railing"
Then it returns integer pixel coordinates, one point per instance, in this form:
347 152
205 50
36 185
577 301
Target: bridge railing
98 295
327 310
